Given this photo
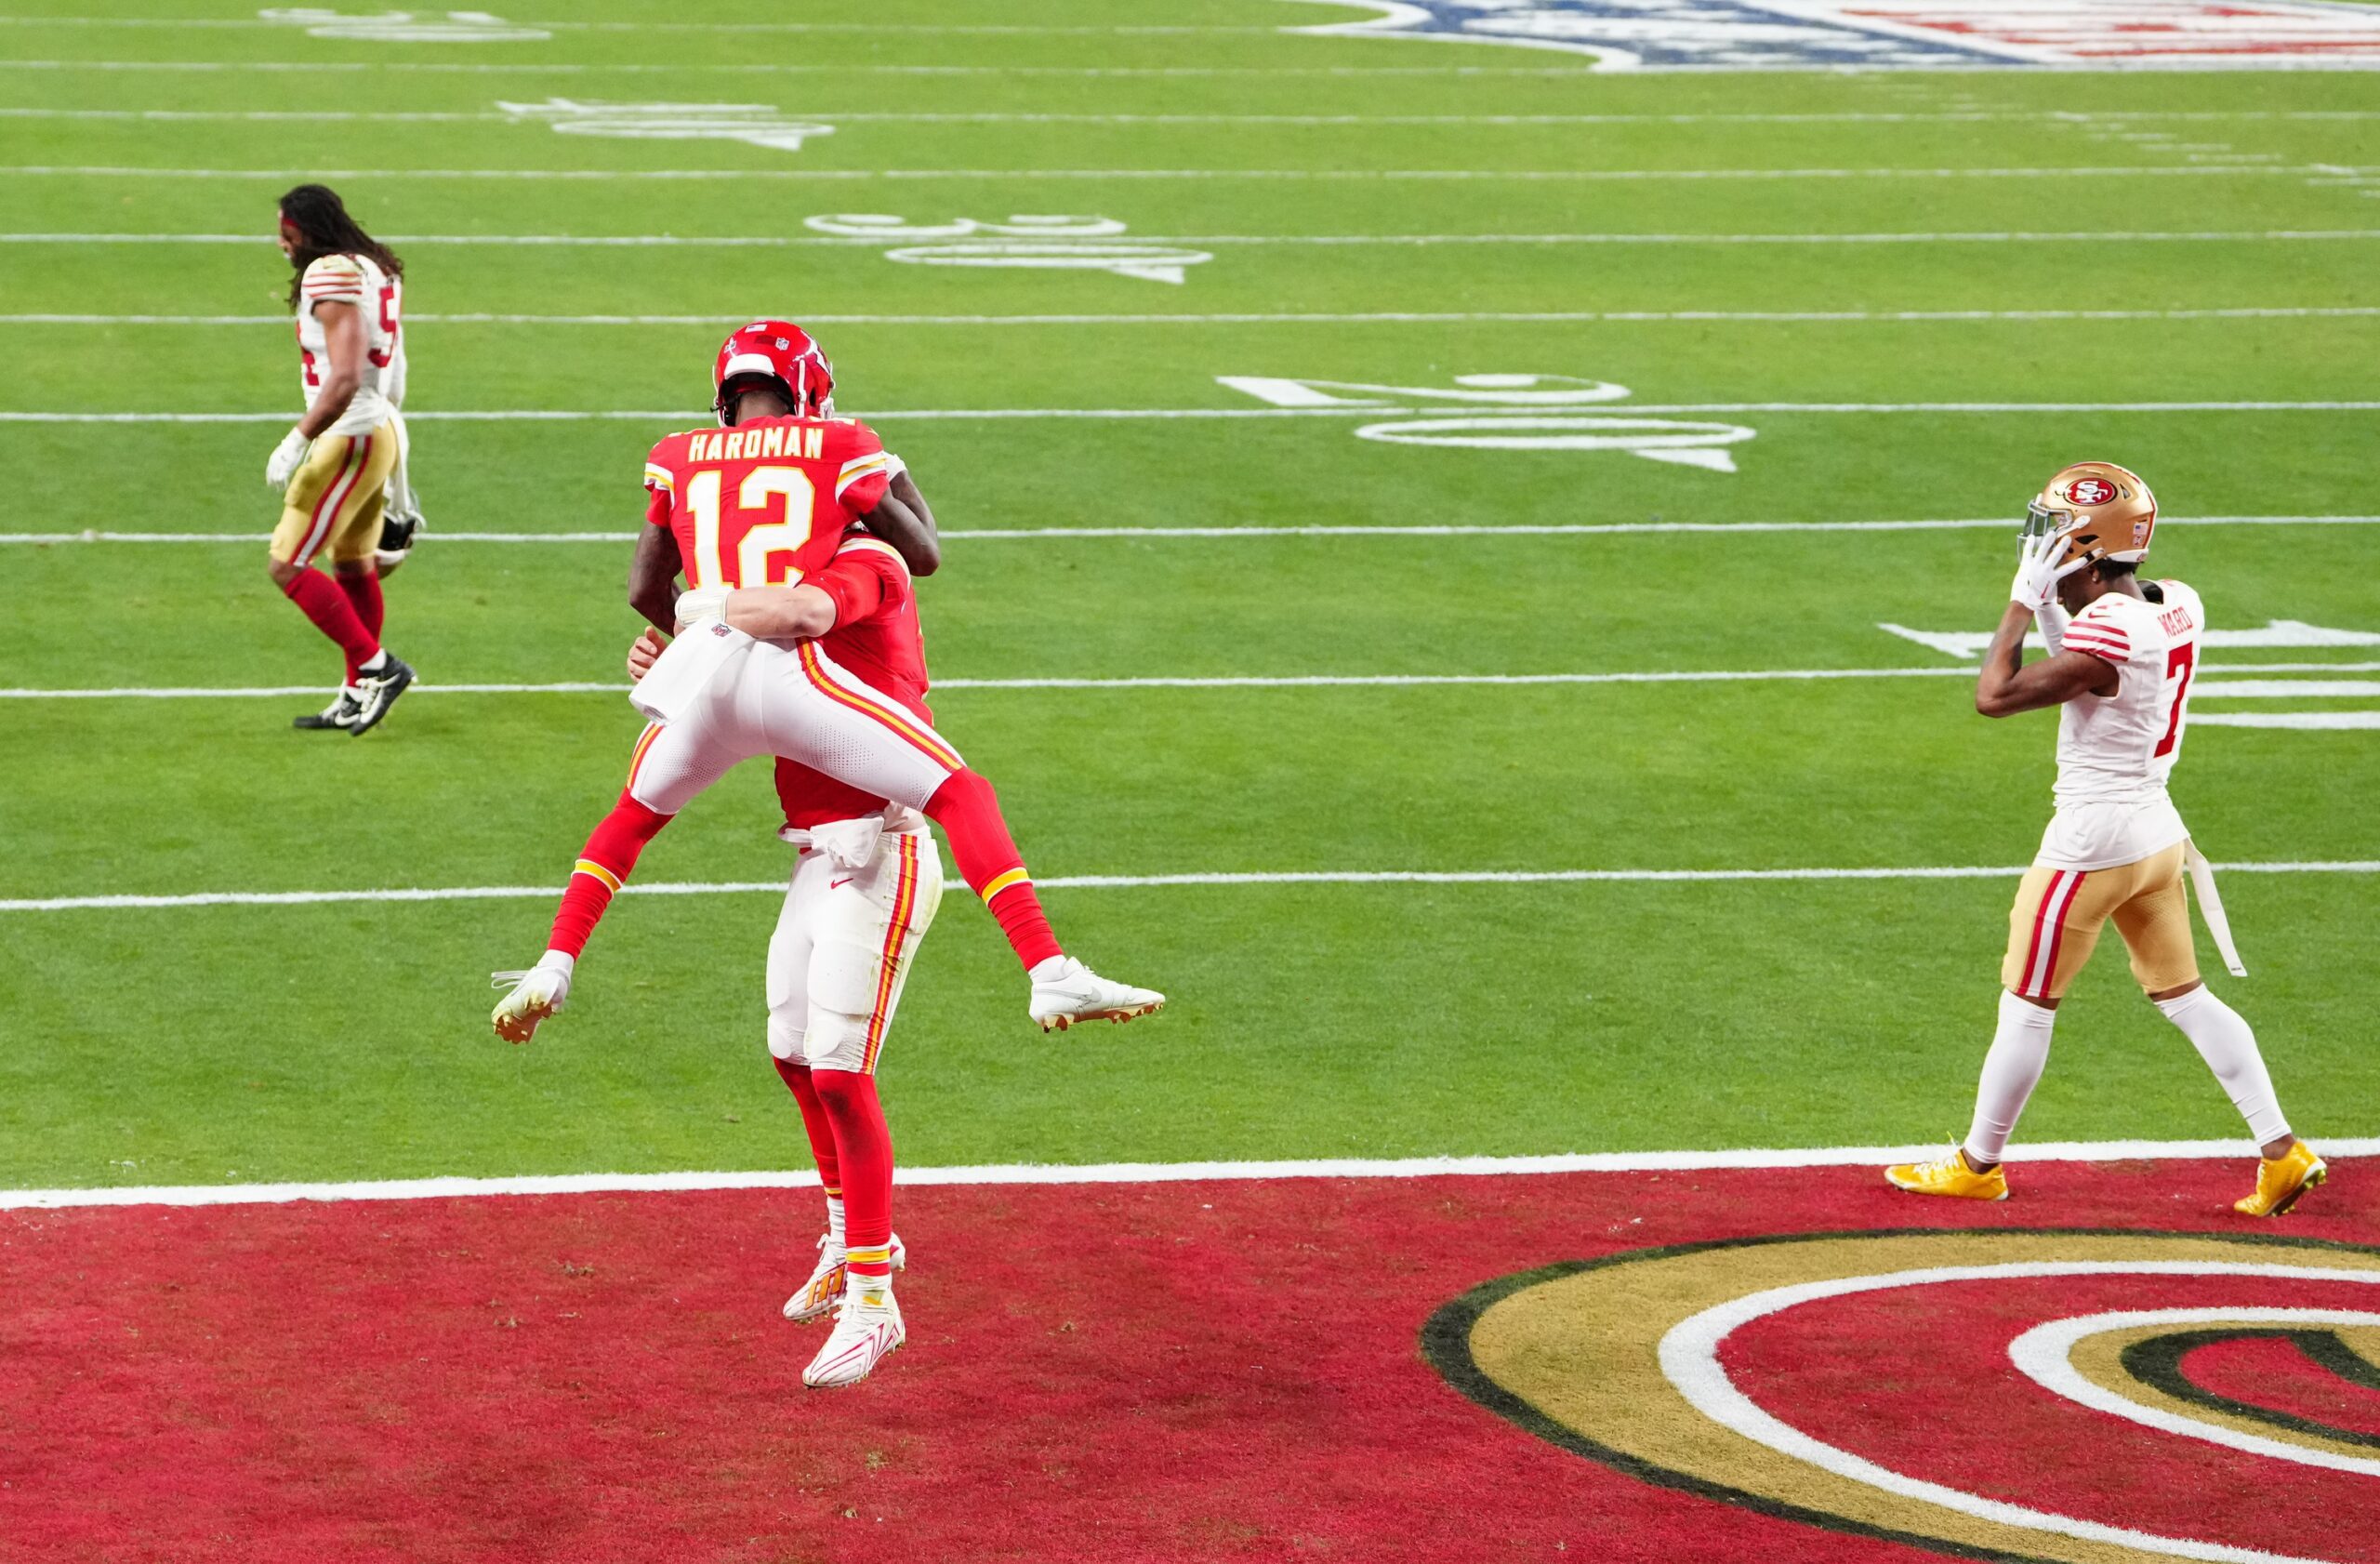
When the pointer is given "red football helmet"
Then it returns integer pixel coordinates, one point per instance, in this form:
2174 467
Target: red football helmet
778 351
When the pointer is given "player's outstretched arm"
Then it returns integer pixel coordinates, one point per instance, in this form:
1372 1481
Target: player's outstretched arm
903 519
653 578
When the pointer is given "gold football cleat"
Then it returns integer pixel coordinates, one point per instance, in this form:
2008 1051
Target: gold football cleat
1949 1176
2281 1180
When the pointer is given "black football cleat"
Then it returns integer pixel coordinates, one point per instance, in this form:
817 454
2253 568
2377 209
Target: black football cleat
340 714
380 692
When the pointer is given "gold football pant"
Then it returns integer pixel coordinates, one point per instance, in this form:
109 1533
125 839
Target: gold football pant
2059 911
334 503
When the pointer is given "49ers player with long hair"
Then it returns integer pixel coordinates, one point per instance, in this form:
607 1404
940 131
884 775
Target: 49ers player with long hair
333 471
2122 653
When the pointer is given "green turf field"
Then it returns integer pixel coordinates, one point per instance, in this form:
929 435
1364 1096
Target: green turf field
1909 296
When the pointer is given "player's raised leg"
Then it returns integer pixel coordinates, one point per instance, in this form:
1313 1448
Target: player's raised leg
666 766
877 745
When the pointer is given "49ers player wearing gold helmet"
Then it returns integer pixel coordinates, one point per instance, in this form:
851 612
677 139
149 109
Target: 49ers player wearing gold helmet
2122 653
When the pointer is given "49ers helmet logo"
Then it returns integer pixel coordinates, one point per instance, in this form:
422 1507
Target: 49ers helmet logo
2090 491
2091 1396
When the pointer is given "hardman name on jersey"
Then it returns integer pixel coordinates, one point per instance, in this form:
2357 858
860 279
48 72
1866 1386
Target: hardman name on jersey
1786 34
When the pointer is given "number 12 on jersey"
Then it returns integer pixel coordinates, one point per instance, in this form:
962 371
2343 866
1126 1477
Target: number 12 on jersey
784 494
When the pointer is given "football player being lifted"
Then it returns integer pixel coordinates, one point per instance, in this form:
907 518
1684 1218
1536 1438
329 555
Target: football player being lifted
798 639
2122 654
335 472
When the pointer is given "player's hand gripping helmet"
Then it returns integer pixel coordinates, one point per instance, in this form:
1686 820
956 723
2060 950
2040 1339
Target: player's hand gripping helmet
2103 511
778 351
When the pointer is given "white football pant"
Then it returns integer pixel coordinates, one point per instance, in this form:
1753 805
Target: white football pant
861 896
721 698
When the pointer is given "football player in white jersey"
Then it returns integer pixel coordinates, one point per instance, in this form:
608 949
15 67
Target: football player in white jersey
2122 654
332 471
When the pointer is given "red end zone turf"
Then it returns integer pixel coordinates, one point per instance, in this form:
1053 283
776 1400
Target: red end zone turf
1160 1372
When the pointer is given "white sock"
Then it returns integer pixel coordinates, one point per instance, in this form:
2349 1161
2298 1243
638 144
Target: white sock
375 663
2225 1040
2019 1049
1049 969
834 1221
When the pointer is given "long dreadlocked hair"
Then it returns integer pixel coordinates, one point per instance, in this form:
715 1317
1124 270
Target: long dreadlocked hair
323 228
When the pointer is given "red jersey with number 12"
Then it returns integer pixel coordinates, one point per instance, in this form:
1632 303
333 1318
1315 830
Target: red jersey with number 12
764 504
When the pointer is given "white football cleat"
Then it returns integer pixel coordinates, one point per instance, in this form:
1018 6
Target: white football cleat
825 1288
1076 993
536 994
868 1325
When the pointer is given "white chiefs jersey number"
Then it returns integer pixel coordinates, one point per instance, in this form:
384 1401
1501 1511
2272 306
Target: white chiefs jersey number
2115 752
354 280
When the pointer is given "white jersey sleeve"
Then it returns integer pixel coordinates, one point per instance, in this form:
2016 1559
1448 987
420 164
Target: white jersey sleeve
2116 751
356 281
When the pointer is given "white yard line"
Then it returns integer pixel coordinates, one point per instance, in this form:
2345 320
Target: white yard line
1383 317
1122 881
787 241
1518 529
1143 1173
988 117
1123 29
839 68
684 417
2210 687
1567 175
2299 721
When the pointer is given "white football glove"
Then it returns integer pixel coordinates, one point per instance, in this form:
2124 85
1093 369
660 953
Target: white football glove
2038 572
701 607
287 459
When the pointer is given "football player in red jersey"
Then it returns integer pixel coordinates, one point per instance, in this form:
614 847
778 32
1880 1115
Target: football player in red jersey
764 502
810 565
863 891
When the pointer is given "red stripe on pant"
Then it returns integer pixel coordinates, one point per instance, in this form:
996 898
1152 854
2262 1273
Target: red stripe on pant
2055 903
335 494
896 932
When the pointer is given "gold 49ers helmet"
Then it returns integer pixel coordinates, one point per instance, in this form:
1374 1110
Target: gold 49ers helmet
2103 511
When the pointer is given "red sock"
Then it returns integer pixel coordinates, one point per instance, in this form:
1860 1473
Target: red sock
966 807
364 596
603 866
327 606
864 1156
820 1129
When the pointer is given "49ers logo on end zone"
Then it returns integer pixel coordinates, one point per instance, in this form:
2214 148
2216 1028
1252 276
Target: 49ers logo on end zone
2090 491
2084 1397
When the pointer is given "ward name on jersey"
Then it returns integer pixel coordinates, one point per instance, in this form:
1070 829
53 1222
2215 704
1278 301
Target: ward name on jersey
2115 752
765 503
356 280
